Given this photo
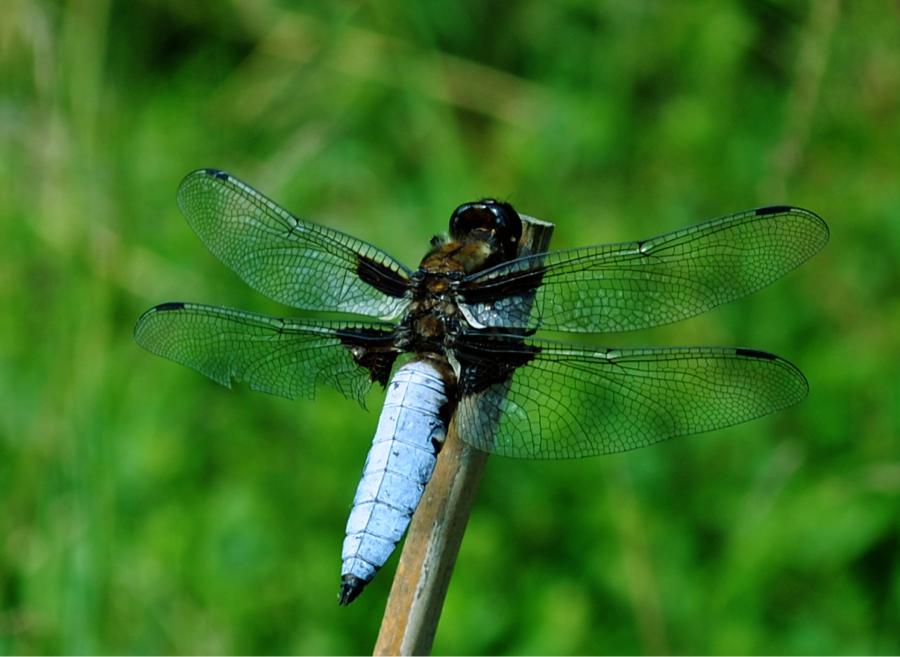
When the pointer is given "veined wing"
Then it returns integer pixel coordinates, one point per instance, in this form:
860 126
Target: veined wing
286 357
636 285
295 262
543 400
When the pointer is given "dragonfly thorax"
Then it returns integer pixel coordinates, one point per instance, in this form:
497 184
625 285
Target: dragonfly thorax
432 319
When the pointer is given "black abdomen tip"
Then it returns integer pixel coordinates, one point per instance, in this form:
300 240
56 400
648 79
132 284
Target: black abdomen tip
351 587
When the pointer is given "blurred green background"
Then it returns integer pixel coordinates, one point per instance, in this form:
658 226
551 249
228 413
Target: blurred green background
145 509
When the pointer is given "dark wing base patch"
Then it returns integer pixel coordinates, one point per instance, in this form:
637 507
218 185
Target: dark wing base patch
372 349
487 361
381 277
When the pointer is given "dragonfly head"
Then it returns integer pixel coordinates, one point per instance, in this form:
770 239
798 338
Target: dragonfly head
489 220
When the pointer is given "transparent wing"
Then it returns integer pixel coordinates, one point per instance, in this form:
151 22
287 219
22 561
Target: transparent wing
563 402
295 262
636 285
286 357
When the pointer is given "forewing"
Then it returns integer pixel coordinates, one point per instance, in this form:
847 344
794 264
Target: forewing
636 285
295 262
563 402
286 357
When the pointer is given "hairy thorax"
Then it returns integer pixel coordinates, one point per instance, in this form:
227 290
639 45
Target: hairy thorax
433 319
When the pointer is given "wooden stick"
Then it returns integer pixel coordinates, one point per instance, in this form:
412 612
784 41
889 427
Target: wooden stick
435 534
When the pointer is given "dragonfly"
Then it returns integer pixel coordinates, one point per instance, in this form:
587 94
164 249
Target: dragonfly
455 338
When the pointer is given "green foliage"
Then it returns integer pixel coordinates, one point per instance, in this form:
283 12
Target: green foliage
145 509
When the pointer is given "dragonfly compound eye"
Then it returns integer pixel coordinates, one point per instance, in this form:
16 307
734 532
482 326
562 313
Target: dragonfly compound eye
487 214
